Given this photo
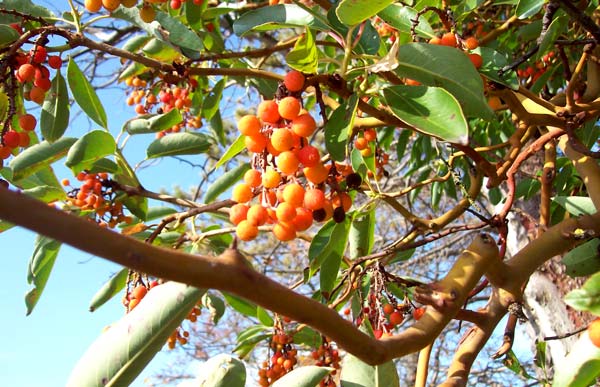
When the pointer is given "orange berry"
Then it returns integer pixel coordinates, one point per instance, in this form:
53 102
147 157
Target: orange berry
449 39
287 162
246 231
147 13
237 213
139 292
435 40
256 143
495 103
26 72
253 178
134 302
285 212
93 5
314 199
284 231
289 108
309 156
303 219
249 125
294 80
471 43
257 215
111 5
396 318
271 178
11 139
268 111
594 332
282 139
241 193
37 95
388 309
65 182
361 143
304 125
476 59
24 139
411 82
418 313
343 200
370 135
366 152
294 194
316 174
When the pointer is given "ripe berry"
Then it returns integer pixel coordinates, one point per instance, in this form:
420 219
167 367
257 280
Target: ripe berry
26 72
237 213
370 135
249 125
314 199
175 4
27 122
309 156
476 59
594 332
294 80
268 111
304 125
37 95
246 231
147 13
93 5
24 139
339 215
271 178
11 139
139 292
257 215
361 143
294 194
282 139
287 162
128 3
241 193
38 54
418 313
54 61
253 178
284 231
289 108
256 143
285 212
316 174
471 43
396 318
343 200
303 219
435 40
111 5
388 309
449 39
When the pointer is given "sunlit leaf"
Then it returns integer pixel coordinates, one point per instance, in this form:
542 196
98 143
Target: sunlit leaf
303 56
39 156
307 376
90 148
222 371
587 298
583 260
178 144
275 17
41 263
353 12
85 95
54 118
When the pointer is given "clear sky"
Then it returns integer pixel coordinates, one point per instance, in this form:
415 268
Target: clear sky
41 349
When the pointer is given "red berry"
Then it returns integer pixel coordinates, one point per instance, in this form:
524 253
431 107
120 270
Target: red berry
54 61
26 72
39 54
11 139
27 122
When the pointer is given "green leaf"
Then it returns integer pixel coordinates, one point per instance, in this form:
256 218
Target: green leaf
27 7
132 70
276 17
111 288
104 165
159 212
46 193
39 156
159 50
222 371
264 317
558 26
240 305
400 16
339 128
178 144
431 110
41 263
210 104
179 34
85 95
90 148
512 363
215 305
580 367
304 56
356 373
138 205
236 147
584 259
576 205
352 12
118 356
224 182
445 67
528 8
7 35
362 234
249 338
54 118
152 123
326 251
135 43
307 376
493 61
588 297
369 40
527 188
307 336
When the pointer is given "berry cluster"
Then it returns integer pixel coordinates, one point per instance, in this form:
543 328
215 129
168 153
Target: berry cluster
281 362
470 43
33 74
327 356
278 139
532 73
384 315
97 195
168 98
147 11
180 335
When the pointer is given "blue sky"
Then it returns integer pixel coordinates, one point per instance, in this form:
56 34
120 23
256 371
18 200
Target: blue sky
41 349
